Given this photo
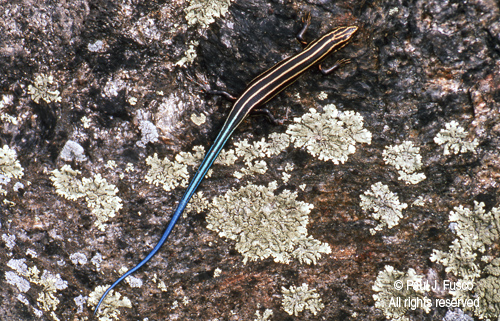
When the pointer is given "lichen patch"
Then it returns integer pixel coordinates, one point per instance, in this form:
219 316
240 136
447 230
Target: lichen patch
204 12
264 224
49 282
330 135
99 194
109 309
407 160
391 287
44 88
454 139
384 205
9 165
166 173
268 313
299 298
477 231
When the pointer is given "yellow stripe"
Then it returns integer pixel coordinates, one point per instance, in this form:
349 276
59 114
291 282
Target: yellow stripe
306 53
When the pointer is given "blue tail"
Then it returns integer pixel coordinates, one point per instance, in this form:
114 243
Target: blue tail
207 162
164 237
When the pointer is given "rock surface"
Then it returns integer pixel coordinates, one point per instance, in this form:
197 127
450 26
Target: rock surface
120 70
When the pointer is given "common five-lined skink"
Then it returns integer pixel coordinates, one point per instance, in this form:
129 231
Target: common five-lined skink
258 92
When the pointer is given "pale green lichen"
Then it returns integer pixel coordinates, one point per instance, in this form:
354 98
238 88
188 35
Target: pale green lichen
109 309
322 95
50 283
252 168
191 159
99 194
384 204
477 231
159 283
17 186
111 164
330 135
264 224
393 11
297 299
258 149
286 176
132 101
189 55
6 100
407 160
97 260
268 313
43 88
129 168
248 151
166 173
487 289
198 203
170 173
66 183
454 139
101 198
486 225
308 250
493 268
6 117
460 260
9 165
204 12
86 122
277 143
397 292
226 158
198 120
